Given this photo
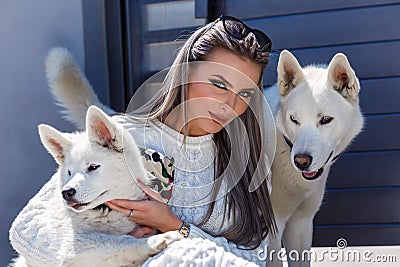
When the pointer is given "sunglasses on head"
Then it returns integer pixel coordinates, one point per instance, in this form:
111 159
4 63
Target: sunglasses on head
237 29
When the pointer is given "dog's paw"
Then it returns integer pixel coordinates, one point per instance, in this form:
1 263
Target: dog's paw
161 241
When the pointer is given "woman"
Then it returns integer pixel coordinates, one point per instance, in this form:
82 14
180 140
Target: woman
223 62
209 117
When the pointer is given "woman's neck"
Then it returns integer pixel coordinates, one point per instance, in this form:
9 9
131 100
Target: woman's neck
175 121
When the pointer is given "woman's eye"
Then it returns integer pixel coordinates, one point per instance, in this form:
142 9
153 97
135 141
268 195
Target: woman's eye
325 120
93 167
246 94
293 119
218 84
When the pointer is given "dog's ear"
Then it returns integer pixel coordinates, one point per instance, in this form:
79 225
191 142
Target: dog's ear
101 130
290 72
55 142
343 78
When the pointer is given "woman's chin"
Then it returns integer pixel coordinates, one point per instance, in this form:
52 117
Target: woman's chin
212 127
205 126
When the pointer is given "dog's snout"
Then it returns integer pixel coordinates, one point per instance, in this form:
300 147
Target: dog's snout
302 161
68 194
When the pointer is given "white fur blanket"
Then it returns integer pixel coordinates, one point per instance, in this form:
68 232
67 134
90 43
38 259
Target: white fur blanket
196 252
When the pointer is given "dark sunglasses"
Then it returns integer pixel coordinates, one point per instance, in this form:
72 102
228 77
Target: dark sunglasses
239 30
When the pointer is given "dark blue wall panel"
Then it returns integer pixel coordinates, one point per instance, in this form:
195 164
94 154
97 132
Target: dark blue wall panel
267 8
366 169
336 27
359 206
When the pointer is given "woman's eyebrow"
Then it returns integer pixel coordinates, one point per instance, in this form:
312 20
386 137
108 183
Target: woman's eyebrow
249 89
223 79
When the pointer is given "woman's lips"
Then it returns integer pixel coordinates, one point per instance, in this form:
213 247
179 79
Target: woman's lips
215 117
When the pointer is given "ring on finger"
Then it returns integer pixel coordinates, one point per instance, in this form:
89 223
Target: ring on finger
130 214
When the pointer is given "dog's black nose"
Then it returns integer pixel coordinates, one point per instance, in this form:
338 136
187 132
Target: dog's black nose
68 194
302 161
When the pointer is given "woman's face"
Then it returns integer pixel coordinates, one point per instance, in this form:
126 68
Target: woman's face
220 89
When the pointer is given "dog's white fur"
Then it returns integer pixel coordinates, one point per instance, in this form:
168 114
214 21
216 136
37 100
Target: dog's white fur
69 85
100 164
306 96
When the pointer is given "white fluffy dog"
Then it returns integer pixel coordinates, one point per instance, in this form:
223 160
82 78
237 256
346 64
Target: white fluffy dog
318 117
95 166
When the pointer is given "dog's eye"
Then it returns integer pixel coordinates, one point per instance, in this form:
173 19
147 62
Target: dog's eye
293 119
325 120
93 167
69 173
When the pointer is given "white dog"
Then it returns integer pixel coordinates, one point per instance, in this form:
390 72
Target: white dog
94 167
318 117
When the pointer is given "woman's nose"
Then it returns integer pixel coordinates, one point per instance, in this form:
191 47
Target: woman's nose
229 101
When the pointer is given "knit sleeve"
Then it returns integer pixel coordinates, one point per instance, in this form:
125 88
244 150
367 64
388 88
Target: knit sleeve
28 234
254 255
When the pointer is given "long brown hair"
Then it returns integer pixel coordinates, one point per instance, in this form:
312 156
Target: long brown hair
250 211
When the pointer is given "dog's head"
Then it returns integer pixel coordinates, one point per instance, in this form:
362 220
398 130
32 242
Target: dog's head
319 113
97 165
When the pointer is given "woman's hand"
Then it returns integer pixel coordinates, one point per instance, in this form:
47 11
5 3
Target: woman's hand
152 212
